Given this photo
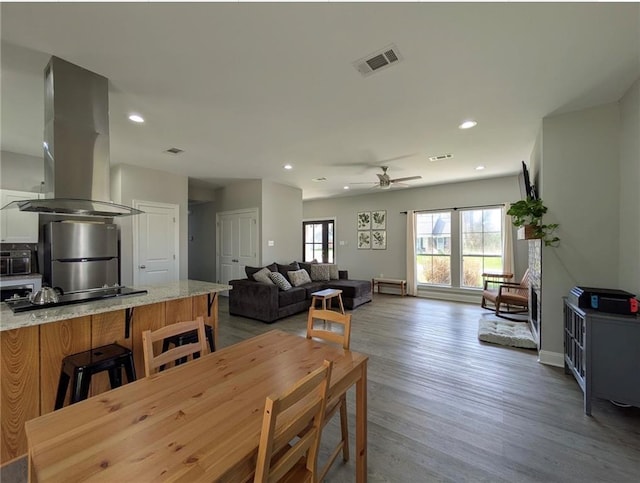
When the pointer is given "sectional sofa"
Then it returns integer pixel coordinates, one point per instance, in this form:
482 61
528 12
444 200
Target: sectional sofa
268 302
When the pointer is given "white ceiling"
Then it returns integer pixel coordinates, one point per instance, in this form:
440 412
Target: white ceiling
246 88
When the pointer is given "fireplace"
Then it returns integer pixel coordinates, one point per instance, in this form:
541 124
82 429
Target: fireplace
535 298
534 312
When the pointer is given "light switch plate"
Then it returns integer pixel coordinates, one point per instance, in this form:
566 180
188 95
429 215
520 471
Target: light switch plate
271 243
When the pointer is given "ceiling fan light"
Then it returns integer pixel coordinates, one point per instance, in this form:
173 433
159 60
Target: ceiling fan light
468 124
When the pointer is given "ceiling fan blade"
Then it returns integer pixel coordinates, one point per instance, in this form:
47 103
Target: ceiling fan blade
408 178
366 182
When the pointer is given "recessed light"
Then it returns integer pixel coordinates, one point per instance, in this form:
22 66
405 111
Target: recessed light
288 166
468 124
479 168
136 118
346 188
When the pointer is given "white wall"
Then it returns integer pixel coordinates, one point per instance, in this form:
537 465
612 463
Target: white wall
281 223
131 182
239 196
21 172
629 248
365 264
580 184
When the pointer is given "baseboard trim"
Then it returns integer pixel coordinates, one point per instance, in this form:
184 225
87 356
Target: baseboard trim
450 296
555 359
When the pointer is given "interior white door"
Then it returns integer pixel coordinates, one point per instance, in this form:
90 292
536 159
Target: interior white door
156 251
237 243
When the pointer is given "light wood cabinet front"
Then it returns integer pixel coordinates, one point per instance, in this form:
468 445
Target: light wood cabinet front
201 308
147 317
20 388
108 328
58 340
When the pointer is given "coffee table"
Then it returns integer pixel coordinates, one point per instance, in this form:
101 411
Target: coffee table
327 294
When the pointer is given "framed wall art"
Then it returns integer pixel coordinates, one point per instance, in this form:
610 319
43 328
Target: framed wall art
364 240
379 239
379 220
364 220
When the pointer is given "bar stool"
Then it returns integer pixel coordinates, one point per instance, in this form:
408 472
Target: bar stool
188 338
83 365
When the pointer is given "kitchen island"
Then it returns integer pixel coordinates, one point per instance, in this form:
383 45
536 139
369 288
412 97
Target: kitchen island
34 343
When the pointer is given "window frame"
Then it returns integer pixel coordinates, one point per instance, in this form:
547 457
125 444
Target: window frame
483 232
456 250
325 222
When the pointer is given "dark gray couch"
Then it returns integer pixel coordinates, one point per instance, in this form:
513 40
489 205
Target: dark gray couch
266 302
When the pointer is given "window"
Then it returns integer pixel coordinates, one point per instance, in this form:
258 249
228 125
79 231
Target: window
433 248
481 232
318 241
454 248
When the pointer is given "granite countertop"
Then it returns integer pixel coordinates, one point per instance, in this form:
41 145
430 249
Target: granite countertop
156 294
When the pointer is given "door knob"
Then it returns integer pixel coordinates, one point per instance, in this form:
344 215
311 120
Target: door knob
234 260
142 267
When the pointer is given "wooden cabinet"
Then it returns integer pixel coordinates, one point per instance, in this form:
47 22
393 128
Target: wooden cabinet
601 351
207 307
58 340
20 381
147 317
17 226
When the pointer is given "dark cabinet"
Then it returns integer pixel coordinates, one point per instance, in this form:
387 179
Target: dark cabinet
602 351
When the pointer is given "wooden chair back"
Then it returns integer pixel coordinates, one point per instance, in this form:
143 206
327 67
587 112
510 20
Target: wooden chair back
152 362
344 338
278 458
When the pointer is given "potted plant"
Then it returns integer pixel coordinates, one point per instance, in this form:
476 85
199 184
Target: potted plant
527 216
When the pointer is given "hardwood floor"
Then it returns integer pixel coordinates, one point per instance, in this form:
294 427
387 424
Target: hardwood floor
445 407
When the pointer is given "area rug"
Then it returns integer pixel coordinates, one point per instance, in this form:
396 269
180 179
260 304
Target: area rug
504 332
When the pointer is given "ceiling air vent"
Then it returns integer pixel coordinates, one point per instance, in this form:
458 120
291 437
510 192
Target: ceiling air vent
174 151
319 180
440 157
379 60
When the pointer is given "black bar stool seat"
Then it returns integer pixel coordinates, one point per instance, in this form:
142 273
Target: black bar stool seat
81 366
188 338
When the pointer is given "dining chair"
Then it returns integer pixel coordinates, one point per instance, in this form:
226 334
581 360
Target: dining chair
512 295
342 338
288 452
152 362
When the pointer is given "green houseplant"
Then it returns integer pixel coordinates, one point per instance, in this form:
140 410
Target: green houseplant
529 212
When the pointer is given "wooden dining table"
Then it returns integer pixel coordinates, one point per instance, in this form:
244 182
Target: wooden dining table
199 421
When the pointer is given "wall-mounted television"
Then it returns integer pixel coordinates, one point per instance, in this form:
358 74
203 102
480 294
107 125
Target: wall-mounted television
527 190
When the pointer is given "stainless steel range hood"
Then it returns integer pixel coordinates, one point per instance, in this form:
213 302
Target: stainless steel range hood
76 145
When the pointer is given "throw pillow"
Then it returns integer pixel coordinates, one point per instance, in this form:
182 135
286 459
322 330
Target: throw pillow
299 277
333 271
283 269
263 276
279 280
251 270
305 266
320 272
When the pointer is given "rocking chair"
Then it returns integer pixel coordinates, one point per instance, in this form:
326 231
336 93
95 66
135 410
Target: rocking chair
508 297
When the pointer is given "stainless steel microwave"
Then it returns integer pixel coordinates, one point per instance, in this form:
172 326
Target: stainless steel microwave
15 262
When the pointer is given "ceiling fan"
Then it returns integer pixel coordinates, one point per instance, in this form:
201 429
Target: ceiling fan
385 182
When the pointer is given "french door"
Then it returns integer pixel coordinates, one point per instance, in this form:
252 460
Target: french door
317 240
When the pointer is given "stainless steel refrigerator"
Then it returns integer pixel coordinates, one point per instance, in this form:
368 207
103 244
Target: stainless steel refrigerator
81 255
